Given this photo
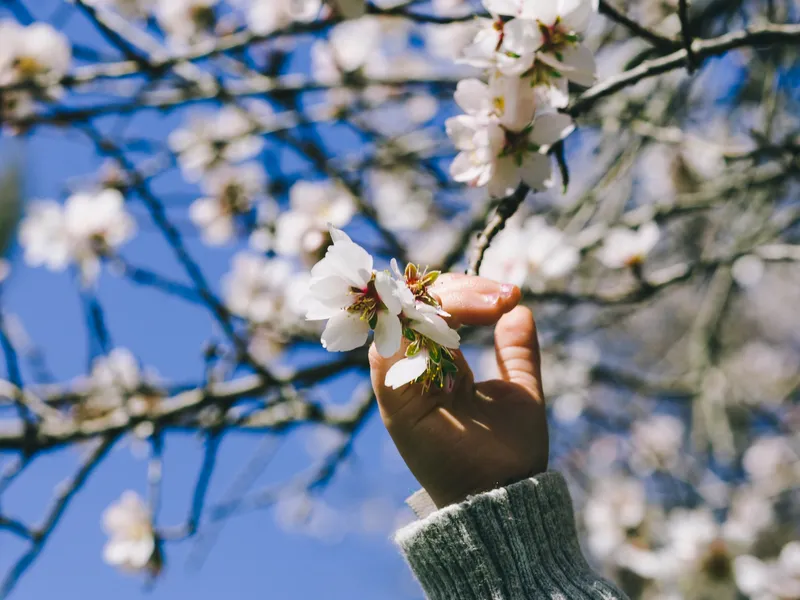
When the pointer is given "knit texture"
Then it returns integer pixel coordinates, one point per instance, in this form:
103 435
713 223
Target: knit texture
514 543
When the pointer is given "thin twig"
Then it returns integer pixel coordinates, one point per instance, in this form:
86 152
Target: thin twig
64 495
686 35
504 211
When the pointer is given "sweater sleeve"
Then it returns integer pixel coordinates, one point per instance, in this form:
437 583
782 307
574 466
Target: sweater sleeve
513 543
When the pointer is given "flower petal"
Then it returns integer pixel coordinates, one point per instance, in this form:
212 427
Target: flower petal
407 370
344 331
387 291
472 95
548 128
436 328
388 334
537 171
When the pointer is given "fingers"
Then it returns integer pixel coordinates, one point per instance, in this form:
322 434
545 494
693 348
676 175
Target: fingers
470 301
475 300
517 349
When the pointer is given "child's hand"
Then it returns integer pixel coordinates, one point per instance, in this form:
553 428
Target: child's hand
478 436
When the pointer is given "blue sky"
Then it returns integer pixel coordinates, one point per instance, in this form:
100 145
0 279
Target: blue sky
253 557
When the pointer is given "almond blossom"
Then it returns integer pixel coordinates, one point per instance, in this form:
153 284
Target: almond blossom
349 48
36 53
552 30
548 254
313 207
625 247
230 193
346 291
90 226
187 21
266 16
132 544
211 140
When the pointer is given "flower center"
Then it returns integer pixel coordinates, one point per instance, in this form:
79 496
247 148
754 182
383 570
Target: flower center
28 67
556 38
366 302
203 17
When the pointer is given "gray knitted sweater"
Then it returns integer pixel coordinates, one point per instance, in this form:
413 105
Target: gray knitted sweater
513 543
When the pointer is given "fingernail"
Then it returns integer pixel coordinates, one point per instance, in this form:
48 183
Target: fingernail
492 299
507 290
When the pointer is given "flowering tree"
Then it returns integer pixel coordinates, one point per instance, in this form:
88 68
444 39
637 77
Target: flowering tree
630 165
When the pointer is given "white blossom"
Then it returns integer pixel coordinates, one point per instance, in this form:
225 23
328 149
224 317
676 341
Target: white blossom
89 226
401 203
266 16
625 247
255 288
97 224
230 191
44 237
349 294
187 21
36 53
614 507
132 544
209 140
656 442
349 47
532 253
302 230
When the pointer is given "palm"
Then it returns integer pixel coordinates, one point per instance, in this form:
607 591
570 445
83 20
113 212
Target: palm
475 442
479 435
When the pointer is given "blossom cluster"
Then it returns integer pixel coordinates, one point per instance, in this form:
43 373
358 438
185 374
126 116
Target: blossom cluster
191 21
355 299
90 226
531 50
33 60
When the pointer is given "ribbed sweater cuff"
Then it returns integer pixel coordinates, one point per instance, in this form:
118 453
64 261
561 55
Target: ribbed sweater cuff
514 543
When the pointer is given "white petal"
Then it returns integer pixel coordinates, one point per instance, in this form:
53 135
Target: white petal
549 128
545 11
505 178
344 331
388 334
140 551
581 67
388 292
332 291
316 311
575 14
436 328
473 96
648 234
537 171
509 8
407 370
115 552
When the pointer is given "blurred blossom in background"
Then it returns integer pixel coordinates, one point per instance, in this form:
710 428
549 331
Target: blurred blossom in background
169 174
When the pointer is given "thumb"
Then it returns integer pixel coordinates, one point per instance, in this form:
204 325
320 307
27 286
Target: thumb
517 350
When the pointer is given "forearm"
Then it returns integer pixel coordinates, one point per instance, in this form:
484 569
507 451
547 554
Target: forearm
514 543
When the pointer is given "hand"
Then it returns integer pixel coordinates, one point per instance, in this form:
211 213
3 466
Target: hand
478 436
